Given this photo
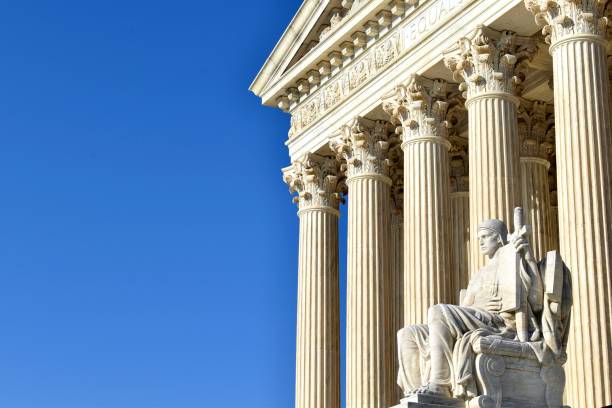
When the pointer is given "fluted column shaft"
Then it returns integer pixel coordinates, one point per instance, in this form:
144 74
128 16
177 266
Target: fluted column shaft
318 316
460 241
584 187
494 163
369 327
420 106
585 231
427 242
536 203
367 284
318 335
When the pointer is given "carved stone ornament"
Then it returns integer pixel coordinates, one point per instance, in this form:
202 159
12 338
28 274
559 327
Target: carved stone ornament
330 95
490 61
336 17
536 130
420 106
316 180
565 18
363 147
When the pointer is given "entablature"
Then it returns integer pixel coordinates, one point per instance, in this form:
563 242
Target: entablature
412 46
307 103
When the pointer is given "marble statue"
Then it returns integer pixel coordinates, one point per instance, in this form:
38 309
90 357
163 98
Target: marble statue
514 315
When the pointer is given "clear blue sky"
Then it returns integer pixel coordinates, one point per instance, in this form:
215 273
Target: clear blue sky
148 247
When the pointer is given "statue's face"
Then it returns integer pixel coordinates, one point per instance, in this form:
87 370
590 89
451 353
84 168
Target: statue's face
489 242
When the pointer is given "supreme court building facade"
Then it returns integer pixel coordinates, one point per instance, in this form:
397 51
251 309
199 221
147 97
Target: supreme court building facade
428 116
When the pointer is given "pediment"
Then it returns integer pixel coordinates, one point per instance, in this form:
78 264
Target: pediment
313 22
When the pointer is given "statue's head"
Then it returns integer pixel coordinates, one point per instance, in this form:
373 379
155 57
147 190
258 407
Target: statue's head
492 235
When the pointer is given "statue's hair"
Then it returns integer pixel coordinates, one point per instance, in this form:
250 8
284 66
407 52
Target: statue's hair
497 226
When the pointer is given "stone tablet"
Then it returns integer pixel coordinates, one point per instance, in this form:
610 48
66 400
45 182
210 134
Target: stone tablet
553 276
509 289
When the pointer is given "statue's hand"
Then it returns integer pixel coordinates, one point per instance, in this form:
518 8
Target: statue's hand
521 246
519 242
493 305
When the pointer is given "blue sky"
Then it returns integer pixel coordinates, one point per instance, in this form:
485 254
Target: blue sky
148 247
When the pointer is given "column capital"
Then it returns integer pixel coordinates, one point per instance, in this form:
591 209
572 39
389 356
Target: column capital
565 19
420 106
536 128
363 148
490 61
317 182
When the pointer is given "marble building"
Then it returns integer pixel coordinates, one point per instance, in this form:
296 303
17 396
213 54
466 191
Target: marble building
428 117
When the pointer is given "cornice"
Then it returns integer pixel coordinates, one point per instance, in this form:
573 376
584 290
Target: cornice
320 52
288 44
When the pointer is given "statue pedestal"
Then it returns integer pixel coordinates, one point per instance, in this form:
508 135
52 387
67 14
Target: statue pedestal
429 401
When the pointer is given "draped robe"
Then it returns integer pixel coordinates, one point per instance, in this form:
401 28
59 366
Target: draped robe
451 331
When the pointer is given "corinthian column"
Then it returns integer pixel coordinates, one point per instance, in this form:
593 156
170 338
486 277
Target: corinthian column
420 106
576 31
486 61
364 149
460 216
315 179
536 127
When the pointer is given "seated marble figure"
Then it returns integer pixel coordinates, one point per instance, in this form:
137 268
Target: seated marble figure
512 300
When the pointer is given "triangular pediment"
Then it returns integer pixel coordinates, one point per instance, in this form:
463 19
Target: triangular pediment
313 22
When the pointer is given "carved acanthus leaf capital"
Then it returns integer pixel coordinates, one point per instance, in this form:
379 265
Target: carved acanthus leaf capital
490 61
316 180
420 106
536 129
565 18
364 147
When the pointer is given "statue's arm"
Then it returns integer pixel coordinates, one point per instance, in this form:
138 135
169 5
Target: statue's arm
536 292
530 274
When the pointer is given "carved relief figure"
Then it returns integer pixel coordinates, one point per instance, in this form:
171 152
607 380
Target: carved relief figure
513 300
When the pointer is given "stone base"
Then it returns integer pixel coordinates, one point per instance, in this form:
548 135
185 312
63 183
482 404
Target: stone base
429 401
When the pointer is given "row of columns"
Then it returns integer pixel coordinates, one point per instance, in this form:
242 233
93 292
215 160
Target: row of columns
509 162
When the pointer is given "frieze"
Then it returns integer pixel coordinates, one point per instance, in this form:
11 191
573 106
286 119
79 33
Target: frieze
419 23
330 95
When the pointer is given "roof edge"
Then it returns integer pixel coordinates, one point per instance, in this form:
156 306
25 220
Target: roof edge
279 53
